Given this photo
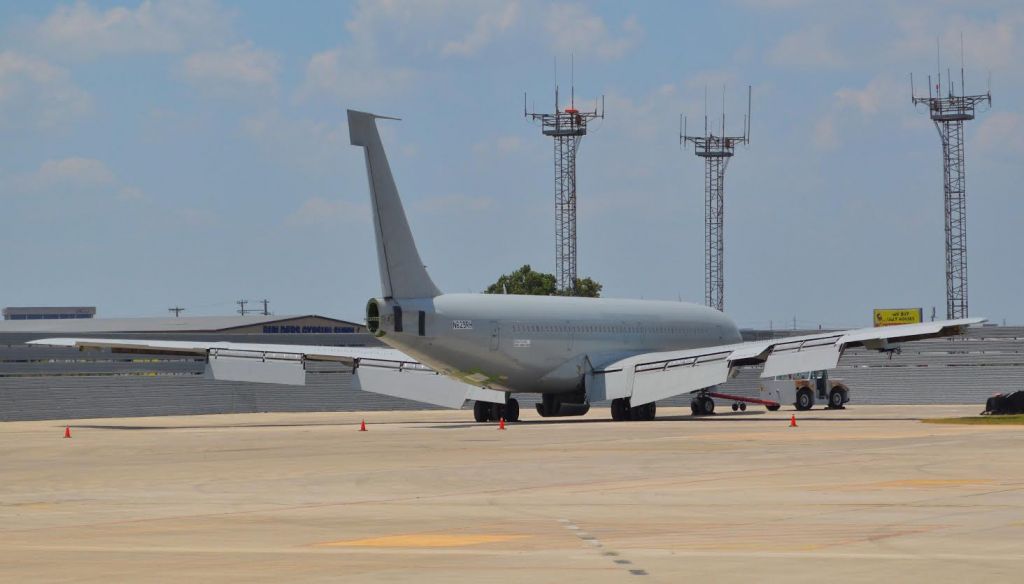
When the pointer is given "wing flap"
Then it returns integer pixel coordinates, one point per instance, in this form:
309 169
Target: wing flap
256 367
422 385
803 356
653 382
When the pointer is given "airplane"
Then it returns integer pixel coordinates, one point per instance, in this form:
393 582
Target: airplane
448 349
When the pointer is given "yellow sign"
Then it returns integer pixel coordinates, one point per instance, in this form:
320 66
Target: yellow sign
891 316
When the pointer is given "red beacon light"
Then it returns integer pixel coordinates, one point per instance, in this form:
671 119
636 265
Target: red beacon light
571 110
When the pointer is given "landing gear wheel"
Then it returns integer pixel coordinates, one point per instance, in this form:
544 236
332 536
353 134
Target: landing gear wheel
482 411
735 407
620 411
694 407
651 411
835 399
512 410
804 400
707 406
773 408
644 413
743 407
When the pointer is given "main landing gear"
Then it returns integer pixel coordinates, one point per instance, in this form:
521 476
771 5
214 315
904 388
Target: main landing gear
622 411
702 405
491 412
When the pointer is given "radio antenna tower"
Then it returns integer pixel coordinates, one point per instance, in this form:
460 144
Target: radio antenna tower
716 150
567 127
949 111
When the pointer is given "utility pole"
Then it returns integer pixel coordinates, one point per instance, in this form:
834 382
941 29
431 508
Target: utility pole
949 111
567 127
266 305
241 307
177 310
716 150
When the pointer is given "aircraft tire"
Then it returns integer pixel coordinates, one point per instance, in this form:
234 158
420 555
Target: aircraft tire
774 408
707 406
512 410
743 407
650 411
735 407
618 408
481 411
694 407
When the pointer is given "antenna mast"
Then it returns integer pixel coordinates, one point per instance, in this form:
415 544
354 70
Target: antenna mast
716 150
567 127
949 112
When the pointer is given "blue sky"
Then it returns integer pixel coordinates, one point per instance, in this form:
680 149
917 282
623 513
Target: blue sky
195 152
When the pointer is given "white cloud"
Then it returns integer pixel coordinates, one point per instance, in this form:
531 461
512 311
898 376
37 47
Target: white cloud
810 48
240 66
321 211
825 134
155 26
713 80
388 40
131 194
73 172
349 74
1001 133
573 28
455 202
33 89
73 176
310 145
487 26
881 93
197 217
993 44
499 145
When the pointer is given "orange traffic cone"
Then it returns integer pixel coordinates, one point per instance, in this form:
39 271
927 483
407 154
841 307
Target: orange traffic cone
67 431
362 426
501 424
792 421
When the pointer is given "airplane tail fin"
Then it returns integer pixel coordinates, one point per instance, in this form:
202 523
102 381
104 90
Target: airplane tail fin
402 274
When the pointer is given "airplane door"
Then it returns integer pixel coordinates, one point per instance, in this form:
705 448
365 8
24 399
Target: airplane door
495 335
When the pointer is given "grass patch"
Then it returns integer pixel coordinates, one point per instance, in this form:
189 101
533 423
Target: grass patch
1012 420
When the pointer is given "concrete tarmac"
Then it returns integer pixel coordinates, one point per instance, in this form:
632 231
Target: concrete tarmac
868 494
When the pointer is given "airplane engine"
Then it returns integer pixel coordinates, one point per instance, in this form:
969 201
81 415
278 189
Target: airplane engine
383 317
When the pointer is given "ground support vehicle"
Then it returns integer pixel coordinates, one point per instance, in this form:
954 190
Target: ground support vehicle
803 390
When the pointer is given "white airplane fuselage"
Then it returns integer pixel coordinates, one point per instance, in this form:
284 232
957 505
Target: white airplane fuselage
539 344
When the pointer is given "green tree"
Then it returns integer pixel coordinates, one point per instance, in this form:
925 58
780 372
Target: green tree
527 281
588 287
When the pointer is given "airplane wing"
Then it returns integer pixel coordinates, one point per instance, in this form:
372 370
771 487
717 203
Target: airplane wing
377 370
649 377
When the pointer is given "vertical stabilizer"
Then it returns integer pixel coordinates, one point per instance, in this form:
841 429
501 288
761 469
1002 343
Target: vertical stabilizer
402 274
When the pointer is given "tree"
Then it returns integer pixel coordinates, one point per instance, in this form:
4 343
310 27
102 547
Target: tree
588 287
527 281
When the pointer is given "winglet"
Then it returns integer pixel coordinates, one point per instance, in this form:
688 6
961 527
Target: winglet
402 274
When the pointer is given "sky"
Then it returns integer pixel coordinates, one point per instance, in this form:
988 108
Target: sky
195 152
